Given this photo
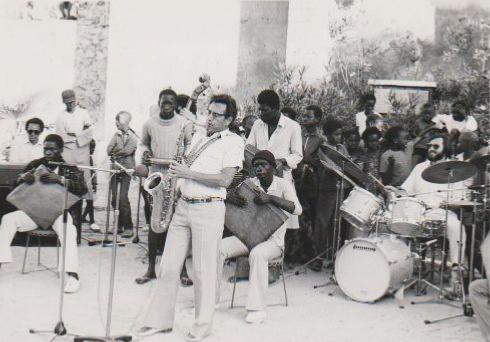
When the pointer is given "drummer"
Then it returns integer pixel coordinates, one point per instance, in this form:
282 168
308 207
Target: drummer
415 184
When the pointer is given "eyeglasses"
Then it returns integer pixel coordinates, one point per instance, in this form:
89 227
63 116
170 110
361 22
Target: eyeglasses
33 132
433 146
214 114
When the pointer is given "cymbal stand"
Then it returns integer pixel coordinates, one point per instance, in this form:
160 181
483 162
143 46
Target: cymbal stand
60 329
115 244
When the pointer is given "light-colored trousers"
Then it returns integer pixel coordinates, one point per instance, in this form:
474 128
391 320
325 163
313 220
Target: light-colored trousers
198 226
480 297
232 247
452 231
18 221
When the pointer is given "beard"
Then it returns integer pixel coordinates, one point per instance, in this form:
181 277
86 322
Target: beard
435 157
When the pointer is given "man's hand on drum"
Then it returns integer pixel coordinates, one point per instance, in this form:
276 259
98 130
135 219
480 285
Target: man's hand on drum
50 178
262 198
27 177
233 198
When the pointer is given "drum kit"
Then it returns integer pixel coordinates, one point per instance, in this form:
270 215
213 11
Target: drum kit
398 233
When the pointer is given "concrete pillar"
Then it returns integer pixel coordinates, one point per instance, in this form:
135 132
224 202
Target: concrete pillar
262 45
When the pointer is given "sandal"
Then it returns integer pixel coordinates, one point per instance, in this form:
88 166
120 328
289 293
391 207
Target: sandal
144 279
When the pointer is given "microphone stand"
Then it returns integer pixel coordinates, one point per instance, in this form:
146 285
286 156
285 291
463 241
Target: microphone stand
108 336
113 184
60 329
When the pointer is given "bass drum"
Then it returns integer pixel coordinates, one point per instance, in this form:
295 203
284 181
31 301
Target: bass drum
367 268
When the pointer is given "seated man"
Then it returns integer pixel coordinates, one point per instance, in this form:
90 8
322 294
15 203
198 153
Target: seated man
20 221
434 196
24 150
281 193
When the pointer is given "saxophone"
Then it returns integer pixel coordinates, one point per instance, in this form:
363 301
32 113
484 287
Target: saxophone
162 188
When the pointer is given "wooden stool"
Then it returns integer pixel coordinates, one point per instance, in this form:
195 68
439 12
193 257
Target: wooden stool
277 262
41 233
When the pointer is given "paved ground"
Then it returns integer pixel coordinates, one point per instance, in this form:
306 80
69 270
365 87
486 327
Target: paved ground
31 301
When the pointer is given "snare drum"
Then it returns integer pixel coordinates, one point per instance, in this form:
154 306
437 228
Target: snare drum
359 208
407 216
367 268
433 228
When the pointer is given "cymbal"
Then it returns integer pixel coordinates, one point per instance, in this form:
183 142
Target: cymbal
481 158
451 171
344 163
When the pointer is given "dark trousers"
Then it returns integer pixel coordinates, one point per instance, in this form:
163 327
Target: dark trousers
76 215
323 226
89 210
147 204
125 220
156 241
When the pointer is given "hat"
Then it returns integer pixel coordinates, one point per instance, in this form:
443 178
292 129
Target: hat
68 96
265 155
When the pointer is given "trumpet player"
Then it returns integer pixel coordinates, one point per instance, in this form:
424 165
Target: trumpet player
159 140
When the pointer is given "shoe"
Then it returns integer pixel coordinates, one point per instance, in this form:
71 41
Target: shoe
128 233
191 338
95 228
144 279
255 317
186 281
148 331
72 284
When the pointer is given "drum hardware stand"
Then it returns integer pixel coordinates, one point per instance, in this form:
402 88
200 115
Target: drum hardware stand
419 281
60 329
108 336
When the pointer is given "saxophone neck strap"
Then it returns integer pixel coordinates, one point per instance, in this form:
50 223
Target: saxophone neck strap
196 151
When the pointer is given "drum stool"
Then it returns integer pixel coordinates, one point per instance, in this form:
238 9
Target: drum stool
276 262
41 233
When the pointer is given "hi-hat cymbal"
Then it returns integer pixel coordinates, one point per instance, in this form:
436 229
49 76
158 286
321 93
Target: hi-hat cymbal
481 158
451 171
460 204
344 163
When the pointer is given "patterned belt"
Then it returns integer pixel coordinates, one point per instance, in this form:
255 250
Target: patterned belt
201 199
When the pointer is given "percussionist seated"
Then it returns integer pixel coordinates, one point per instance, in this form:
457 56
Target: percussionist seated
19 221
279 192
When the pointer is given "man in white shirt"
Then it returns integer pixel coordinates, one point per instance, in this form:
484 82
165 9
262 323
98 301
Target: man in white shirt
280 135
210 164
74 126
277 133
438 147
368 101
279 192
23 151
459 119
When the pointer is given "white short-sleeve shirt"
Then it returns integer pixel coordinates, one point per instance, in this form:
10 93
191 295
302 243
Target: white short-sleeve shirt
223 153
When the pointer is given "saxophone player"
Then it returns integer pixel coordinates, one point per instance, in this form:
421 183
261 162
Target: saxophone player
208 169
159 139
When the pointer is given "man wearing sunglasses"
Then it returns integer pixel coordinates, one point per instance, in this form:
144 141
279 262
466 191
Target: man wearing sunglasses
24 150
433 195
